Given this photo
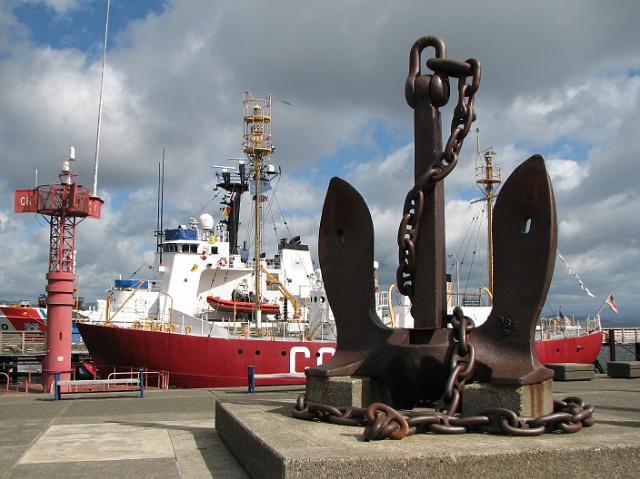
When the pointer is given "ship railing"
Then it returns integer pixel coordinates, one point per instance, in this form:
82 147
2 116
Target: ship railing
161 377
22 342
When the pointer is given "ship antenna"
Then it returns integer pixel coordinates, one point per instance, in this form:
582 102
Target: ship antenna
257 145
160 209
94 191
488 178
162 204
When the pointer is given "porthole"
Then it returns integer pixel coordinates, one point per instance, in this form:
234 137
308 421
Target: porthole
257 352
283 353
240 351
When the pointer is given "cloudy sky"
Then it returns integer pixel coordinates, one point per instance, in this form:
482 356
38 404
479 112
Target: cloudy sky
559 78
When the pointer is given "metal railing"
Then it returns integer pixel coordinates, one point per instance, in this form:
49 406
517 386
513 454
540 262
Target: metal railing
22 343
161 377
621 335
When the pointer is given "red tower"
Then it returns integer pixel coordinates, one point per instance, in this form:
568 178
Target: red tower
63 205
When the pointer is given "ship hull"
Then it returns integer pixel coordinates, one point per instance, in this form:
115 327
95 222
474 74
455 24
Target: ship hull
579 349
200 361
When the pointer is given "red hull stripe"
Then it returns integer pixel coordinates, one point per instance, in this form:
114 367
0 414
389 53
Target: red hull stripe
200 361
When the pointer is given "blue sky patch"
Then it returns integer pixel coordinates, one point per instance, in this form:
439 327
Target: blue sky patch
564 148
82 28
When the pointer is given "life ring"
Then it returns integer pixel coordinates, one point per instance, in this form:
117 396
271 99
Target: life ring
222 262
187 330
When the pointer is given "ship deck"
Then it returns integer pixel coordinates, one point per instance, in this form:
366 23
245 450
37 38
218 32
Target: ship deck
171 434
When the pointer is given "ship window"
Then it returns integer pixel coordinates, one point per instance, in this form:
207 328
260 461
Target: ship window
557 350
526 225
283 353
194 248
185 248
240 351
257 352
318 354
214 250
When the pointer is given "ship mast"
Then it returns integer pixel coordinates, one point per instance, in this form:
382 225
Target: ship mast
257 145
487 178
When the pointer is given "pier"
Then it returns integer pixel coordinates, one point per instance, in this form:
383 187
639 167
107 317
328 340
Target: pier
203 433
625 338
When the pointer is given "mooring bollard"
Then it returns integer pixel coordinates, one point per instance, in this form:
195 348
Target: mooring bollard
56 386
251 379
141 379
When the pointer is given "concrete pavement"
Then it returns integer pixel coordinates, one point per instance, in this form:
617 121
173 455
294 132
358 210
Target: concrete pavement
171 434
168 434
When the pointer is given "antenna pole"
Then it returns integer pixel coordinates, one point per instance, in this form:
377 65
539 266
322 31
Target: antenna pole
162 204
488 178
257 145
94 191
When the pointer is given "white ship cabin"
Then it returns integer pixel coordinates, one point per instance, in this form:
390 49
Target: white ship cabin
193 262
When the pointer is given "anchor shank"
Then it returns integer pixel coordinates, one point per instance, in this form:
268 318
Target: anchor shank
429 302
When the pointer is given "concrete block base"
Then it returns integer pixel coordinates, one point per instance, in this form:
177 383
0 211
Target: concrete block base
572 371
530 400
346 391
623 369
271 444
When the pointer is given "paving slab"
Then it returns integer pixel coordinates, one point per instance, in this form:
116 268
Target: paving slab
98 442
271 444
140 468
169 434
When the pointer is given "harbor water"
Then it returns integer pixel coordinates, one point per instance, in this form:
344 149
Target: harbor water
623 353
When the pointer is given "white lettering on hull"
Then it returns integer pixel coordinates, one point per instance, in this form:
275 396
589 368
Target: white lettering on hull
325 350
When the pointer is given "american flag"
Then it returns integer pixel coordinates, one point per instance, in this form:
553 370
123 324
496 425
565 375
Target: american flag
611 303
563 318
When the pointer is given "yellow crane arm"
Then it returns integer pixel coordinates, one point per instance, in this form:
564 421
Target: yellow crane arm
271 279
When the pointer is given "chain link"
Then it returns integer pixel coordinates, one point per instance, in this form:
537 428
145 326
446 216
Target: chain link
463 116
381 421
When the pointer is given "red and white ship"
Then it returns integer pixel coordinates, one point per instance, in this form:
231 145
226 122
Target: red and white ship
208 311
22 317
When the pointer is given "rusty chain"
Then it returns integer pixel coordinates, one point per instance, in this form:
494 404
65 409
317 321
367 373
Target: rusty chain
463 116
381 421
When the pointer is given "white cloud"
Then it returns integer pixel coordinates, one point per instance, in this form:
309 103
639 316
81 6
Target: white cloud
566 174
58 6
175 79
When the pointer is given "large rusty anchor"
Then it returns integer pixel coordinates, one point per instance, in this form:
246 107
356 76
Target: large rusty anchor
415 363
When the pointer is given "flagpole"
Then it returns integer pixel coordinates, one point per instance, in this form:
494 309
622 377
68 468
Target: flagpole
603 303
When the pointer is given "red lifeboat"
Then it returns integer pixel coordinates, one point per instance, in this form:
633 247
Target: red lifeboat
230 306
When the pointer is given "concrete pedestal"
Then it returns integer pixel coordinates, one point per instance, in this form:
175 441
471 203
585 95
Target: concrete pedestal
572 371
623 369
346 391
531 400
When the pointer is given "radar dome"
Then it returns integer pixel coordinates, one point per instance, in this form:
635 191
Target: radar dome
206 221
